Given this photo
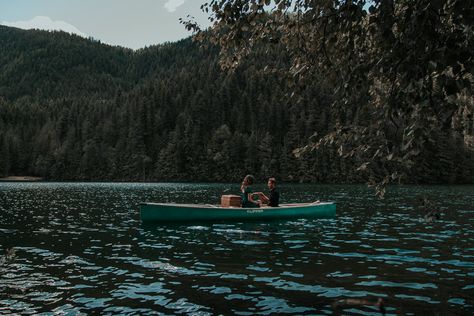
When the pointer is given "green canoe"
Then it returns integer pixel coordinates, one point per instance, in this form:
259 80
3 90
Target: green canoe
168 212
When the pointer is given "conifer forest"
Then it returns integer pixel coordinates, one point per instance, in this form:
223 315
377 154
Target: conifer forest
76 109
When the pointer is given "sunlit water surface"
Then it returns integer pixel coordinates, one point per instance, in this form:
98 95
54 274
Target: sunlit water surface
81 248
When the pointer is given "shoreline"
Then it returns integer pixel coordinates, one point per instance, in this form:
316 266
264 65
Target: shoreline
21 179
44 180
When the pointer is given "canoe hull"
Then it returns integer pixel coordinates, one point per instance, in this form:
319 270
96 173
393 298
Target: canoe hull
161 212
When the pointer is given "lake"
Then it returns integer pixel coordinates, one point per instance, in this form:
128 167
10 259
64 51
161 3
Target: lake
81 248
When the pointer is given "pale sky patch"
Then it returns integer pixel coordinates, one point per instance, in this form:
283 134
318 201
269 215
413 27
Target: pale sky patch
129 23
172 5
45 23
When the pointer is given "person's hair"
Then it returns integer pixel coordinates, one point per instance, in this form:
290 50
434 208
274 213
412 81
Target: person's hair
272 180
250 179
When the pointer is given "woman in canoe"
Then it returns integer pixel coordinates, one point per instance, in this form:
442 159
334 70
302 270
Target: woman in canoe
247 194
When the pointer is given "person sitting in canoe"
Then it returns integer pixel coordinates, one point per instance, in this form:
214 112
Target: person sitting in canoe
273 198
247 194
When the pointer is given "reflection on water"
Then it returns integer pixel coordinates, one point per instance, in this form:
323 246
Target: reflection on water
80 248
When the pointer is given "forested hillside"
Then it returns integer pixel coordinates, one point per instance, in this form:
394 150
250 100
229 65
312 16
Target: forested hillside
75 109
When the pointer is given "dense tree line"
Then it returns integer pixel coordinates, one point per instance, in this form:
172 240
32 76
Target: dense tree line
75 109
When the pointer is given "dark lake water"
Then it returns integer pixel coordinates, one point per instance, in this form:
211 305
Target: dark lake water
81 248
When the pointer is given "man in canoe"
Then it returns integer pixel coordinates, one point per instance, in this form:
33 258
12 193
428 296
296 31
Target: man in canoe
273 198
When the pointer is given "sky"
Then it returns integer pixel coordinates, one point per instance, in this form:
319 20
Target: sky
129 23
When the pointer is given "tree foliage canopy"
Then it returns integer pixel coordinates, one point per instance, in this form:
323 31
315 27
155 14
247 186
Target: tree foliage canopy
407 65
